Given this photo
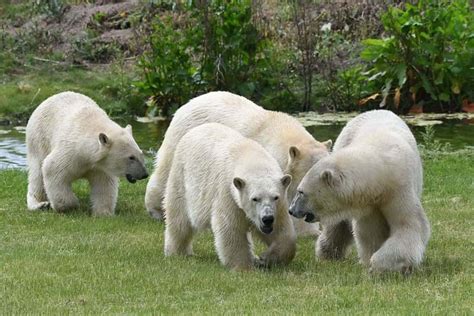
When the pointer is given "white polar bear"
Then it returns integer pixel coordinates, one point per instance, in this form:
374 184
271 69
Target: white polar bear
280 134
374 177
222 180
69 137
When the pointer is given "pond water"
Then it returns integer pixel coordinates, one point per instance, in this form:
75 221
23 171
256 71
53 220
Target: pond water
458 132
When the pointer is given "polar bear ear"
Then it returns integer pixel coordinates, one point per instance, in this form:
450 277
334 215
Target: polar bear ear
294 152
327 176
328 144
104 140
286 180
128 128
239 183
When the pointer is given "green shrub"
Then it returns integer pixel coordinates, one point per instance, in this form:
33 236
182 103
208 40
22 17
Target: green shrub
54 9
427 59
168 73
215 49
229 43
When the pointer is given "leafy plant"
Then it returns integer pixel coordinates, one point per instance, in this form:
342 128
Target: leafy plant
94 50
167 69
427 59
52 8
432 147
215 49
229 43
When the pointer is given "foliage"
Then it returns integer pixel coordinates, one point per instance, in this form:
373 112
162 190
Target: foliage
428 57
308 32
325 39
52 8
288 55
167 68
430 146
275 79
94 50
215 50
229 45
343 89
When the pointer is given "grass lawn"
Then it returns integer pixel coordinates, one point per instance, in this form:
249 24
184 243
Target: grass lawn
21 93
74 263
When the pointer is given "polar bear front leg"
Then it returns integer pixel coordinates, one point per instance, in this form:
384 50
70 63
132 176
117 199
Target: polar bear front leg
58 183
281 243
104 191
370 232
232 243
334 240
409 234
36 197
179 231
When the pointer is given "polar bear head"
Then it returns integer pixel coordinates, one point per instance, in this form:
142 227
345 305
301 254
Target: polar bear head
323 192
121 156
260 196
301 157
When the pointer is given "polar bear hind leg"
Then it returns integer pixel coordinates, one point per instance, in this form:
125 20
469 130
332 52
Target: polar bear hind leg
409 234
36 197
58 183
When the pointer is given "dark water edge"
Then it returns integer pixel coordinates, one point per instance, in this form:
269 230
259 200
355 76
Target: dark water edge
459 133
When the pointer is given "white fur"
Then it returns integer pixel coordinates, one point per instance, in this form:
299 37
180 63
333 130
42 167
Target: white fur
374 177
200 193
63 145
275 131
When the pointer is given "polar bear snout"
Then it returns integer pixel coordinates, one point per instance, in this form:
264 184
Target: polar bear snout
267 219
135 171
299 208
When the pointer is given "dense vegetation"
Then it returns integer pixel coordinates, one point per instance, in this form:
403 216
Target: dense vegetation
288 55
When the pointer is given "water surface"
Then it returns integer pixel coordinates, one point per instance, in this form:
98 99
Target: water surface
458 132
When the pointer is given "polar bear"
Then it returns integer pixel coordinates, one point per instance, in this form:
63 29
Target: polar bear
280 134
69 137
373 177
222 180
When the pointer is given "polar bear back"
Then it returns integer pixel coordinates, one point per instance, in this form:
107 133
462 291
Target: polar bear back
368 126
65 117
206 160
275 131
386 137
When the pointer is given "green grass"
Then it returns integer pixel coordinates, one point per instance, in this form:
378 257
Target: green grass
21 93
73 263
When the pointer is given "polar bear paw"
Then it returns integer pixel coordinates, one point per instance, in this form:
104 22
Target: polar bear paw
40 206
157 215
380 264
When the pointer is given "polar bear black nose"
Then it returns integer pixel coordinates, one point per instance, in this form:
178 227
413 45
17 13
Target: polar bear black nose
268 220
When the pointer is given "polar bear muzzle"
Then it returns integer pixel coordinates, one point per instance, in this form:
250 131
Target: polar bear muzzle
267 220
299 208
135 170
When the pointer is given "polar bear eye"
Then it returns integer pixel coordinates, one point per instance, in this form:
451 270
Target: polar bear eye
300 192
255 199
276 198
132 158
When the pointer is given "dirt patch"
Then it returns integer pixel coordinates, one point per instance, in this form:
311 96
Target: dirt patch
76 19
